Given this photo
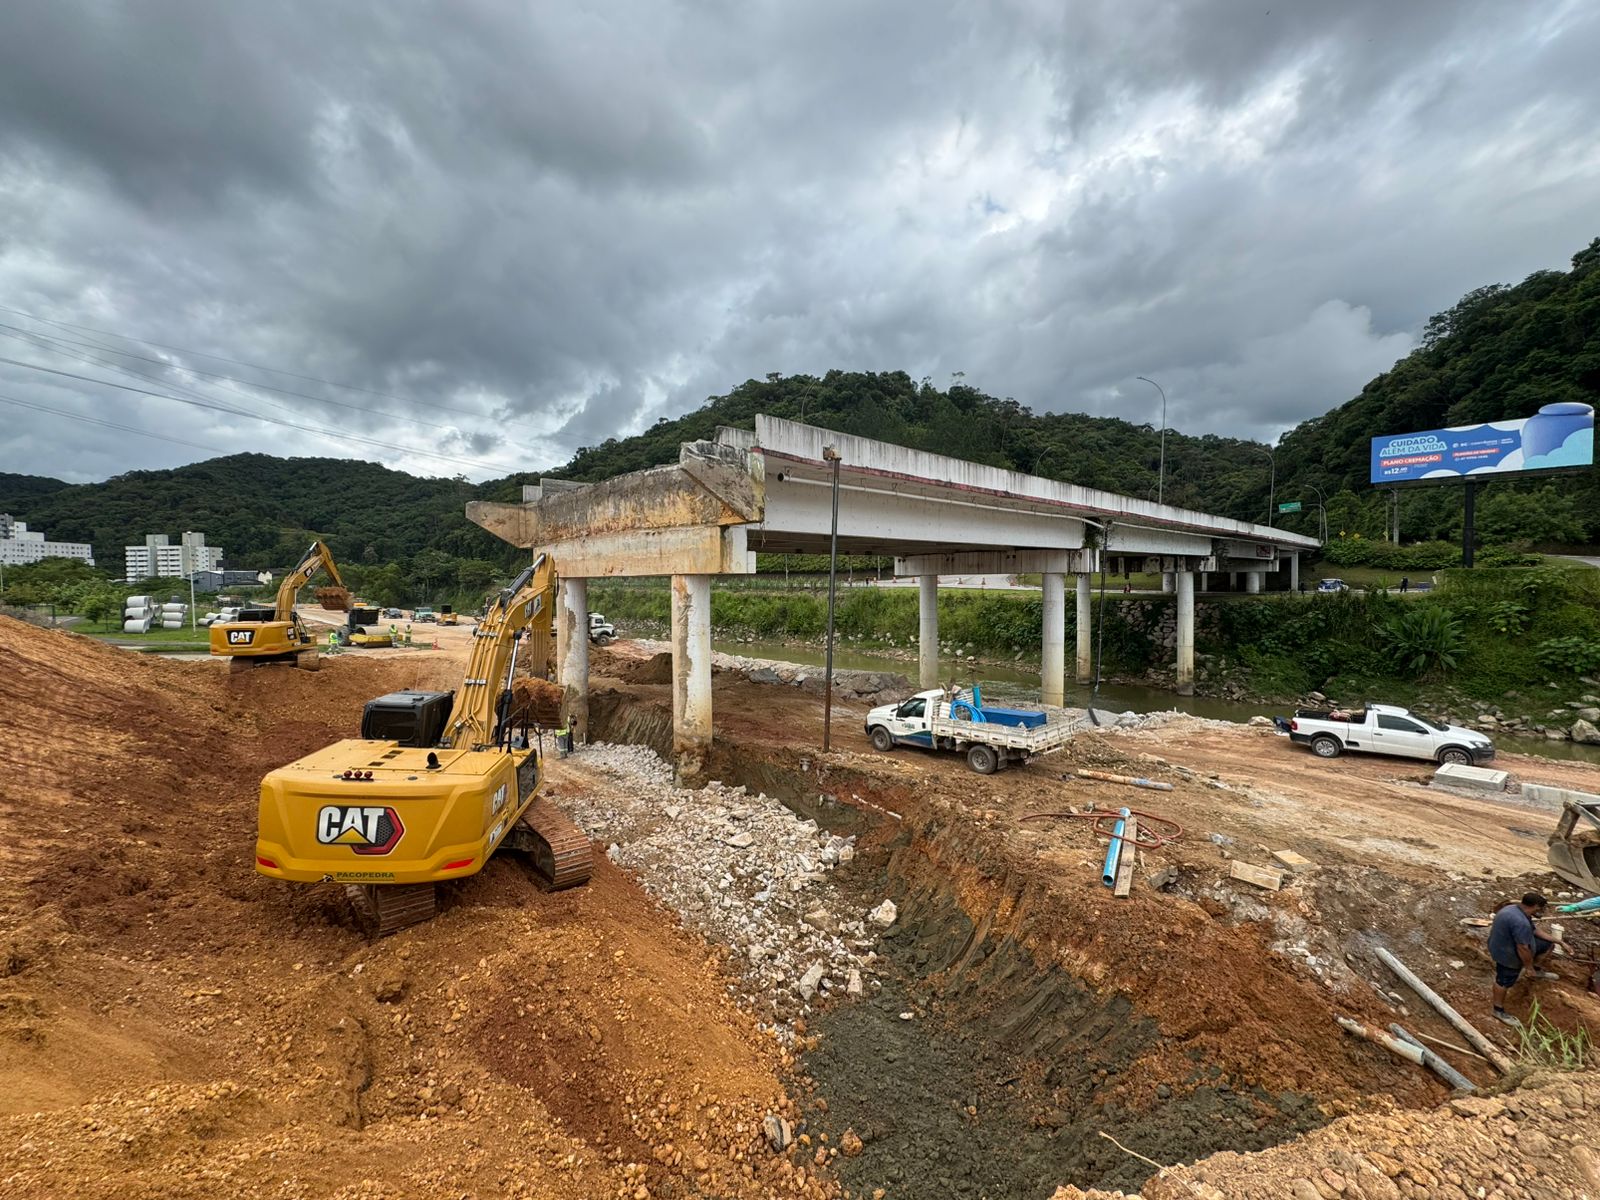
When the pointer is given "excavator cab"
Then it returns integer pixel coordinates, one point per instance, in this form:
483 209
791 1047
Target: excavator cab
1574 853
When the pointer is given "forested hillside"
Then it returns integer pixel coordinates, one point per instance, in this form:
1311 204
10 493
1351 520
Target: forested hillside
1498 354
1501 352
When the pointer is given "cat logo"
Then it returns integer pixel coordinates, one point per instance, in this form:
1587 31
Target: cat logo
364 828
241 637
499 801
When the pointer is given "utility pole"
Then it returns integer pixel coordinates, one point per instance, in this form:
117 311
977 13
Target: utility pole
1161 473
831 455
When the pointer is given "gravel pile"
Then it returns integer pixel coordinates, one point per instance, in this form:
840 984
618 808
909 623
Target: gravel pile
742 870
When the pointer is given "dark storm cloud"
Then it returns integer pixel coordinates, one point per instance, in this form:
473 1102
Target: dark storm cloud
540 226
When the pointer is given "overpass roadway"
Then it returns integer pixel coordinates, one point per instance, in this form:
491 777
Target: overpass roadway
770 491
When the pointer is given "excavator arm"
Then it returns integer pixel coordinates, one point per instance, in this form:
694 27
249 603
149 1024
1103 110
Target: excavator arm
318 558
481 706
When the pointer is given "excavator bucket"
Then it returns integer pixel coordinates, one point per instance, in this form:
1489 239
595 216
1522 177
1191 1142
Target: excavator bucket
334 599
1574 853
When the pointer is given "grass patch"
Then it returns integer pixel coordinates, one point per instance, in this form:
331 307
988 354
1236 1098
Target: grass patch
1542 1044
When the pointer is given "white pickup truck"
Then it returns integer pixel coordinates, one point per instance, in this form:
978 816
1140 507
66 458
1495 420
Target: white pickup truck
990 737
1387 729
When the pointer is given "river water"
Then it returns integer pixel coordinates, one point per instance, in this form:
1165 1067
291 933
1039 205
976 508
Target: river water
1019 682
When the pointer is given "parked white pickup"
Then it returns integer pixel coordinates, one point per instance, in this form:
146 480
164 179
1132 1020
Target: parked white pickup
925 720
1387 729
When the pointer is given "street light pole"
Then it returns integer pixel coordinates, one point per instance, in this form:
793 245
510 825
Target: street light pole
1322 510
831 455
1272 484
1161 474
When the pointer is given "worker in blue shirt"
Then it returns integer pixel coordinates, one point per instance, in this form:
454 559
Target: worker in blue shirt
1517 950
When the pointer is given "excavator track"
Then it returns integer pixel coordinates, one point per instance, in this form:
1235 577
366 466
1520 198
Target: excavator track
558 850
389 908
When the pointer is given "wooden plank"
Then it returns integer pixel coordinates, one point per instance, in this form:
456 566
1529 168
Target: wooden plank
1130 831
1290 859
1261 877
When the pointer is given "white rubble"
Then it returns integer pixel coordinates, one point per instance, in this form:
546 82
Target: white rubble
742 870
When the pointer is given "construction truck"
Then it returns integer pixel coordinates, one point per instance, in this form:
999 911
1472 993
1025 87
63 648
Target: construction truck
435 785
448 615
257 635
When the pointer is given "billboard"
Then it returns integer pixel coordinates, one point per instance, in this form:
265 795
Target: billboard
1558 436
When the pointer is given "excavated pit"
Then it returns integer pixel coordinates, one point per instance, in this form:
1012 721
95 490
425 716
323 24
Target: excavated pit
975 1066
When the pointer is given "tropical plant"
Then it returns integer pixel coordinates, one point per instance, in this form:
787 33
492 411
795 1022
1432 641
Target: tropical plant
1569 655
1422 640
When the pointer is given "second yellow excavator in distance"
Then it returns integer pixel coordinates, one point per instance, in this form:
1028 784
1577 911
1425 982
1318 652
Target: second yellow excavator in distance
437 782
261 635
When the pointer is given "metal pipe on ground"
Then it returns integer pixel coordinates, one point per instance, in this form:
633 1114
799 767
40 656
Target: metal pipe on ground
1154 785
1464 1027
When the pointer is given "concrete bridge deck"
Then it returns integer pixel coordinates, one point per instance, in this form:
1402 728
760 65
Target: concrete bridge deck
770 491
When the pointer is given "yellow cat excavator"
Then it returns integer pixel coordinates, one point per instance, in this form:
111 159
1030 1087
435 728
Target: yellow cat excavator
437 782
262 635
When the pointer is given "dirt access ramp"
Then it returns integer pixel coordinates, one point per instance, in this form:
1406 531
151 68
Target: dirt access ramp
174 1025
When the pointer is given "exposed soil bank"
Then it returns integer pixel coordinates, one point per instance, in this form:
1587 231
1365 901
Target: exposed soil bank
977 1070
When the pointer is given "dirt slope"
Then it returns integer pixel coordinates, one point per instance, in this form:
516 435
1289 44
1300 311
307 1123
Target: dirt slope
172 1024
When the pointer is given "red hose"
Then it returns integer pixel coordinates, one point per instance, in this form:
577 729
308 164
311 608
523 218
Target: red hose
1158 837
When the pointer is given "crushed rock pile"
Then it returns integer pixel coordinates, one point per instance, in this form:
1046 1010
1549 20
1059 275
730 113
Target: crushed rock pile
742 870
1536 1143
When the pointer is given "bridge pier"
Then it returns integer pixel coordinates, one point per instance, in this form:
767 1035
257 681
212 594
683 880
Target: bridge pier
927 631
1166 581
1085 646
1185 681
1053 662
572 656
691 674
1294 572
1252 582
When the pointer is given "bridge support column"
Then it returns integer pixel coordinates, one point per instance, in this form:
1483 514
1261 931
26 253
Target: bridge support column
1294 572
691 674
928 631
1085 647
1185 633
1203 580
1252 582
572 657
1166 581
1053 664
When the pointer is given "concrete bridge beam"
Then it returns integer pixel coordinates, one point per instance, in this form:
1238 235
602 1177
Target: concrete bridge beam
572 655
1085 647
928 631
1185 586
691 674
1053 664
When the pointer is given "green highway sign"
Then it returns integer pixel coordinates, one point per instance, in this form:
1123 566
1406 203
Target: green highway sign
1289 506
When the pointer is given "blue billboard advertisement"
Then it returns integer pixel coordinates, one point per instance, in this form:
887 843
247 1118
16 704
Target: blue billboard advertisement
1557 436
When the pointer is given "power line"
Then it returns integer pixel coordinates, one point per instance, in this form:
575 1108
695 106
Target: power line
350 387
334 433
14 331
108 424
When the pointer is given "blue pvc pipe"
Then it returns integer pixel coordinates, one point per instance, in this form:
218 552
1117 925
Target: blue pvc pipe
1108 874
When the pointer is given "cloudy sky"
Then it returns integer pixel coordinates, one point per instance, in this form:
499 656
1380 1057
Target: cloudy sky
512 229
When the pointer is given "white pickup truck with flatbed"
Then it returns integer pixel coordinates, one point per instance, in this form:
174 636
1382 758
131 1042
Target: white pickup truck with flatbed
990 737
1386 729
